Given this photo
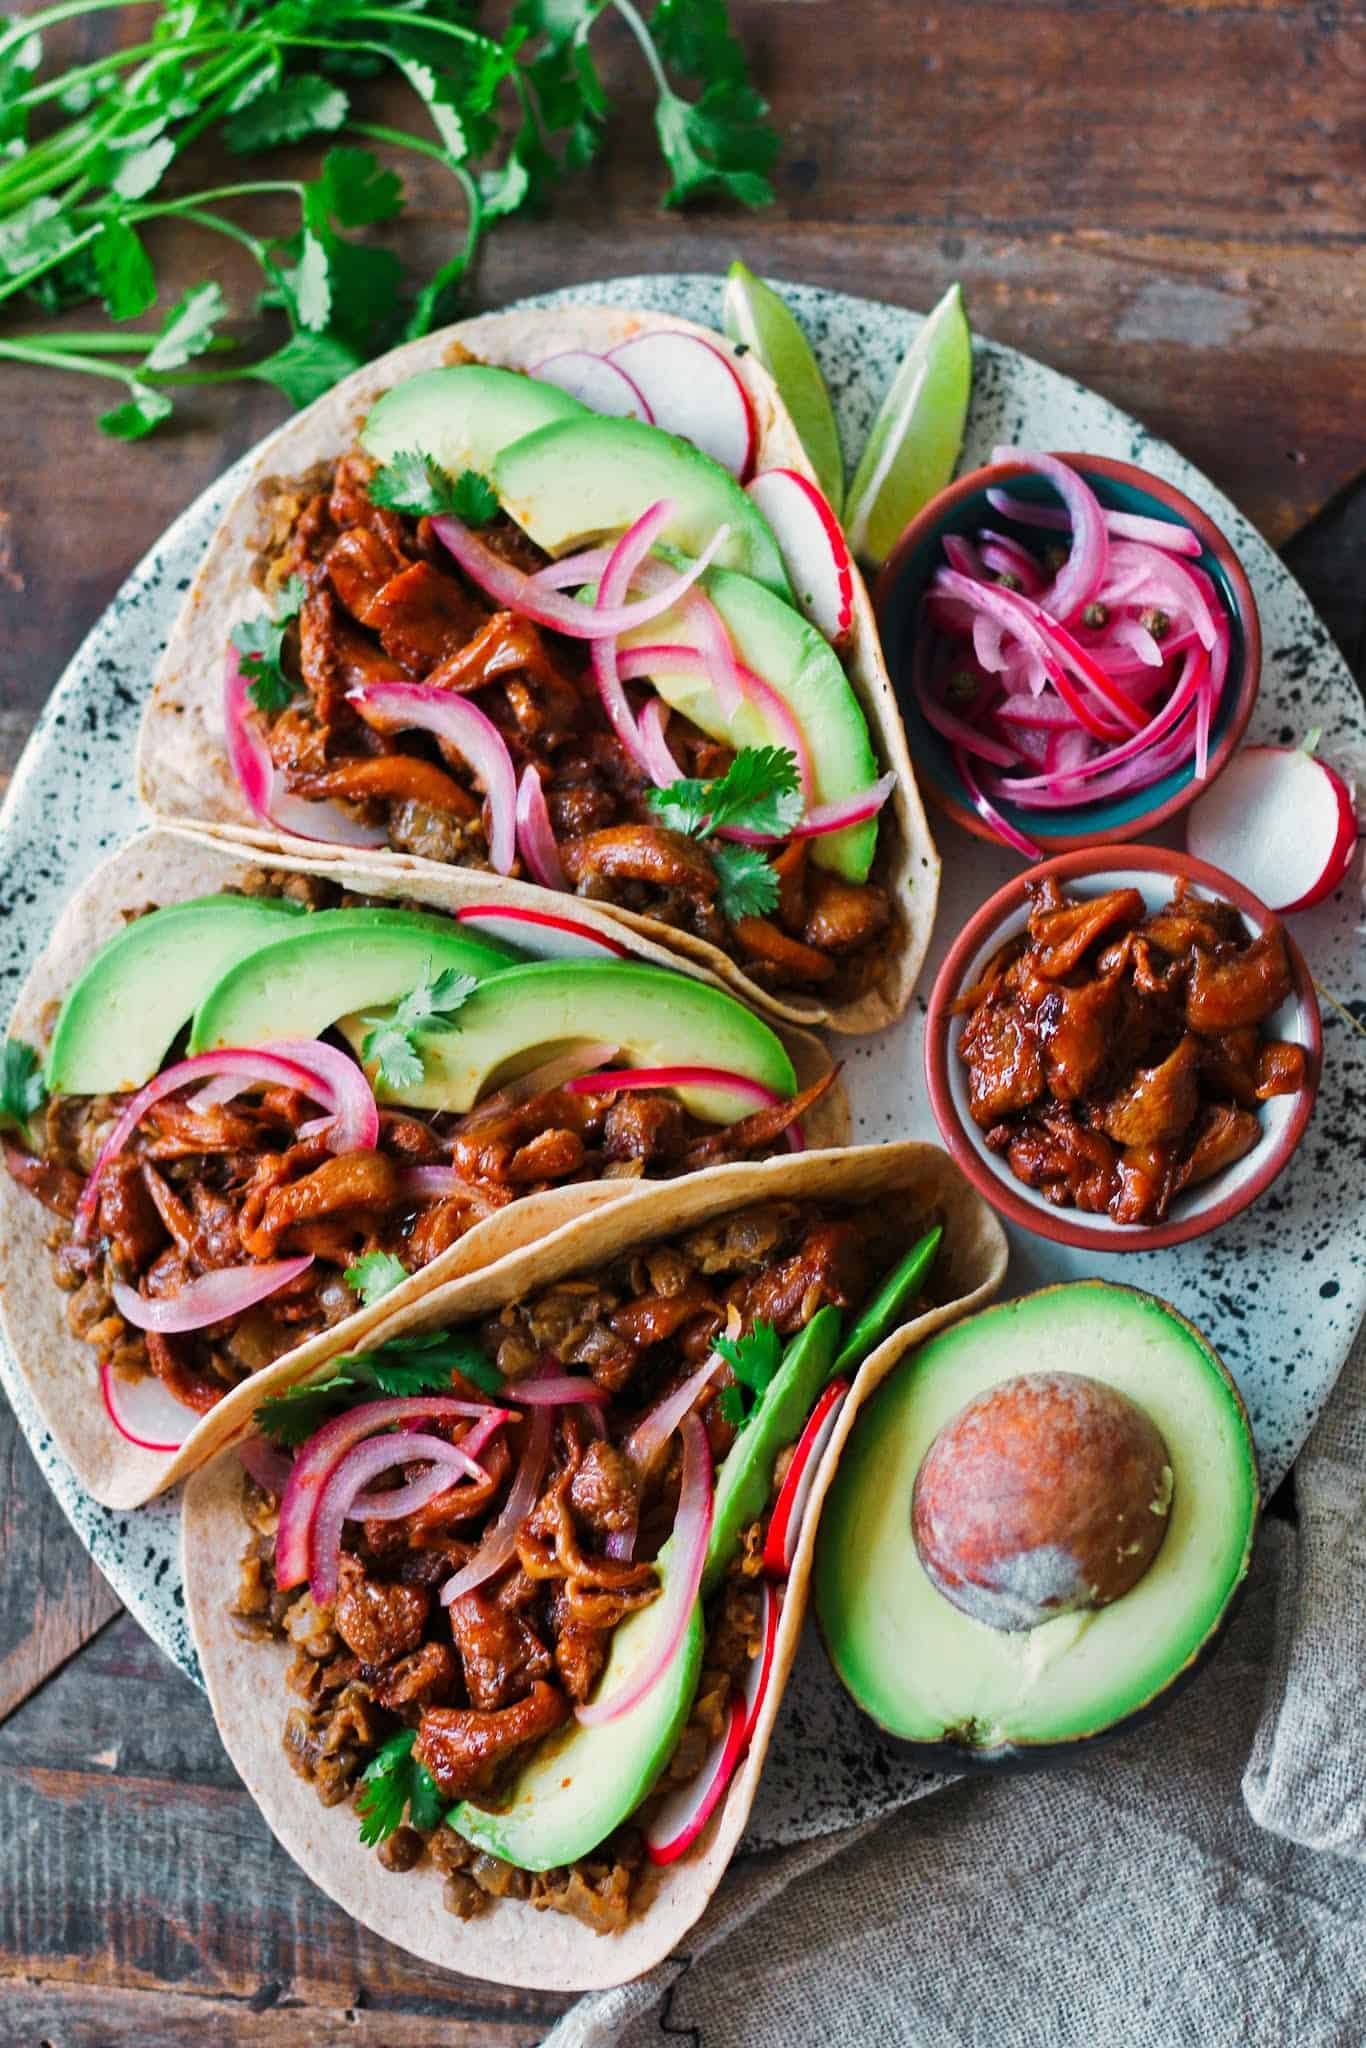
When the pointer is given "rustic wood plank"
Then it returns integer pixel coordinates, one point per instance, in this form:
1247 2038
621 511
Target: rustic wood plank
44 2013
52 1598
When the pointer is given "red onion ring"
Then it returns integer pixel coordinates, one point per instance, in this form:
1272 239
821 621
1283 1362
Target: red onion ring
354 1123
215 1297
440 1184
1159 533
623 562
364 1462
266 1463
392 707
500 1544
446 1457
701 618
258 778
642 663
535 835
1082 574
555 1390
658 762
551 1074
988 812
627 1079
688 1545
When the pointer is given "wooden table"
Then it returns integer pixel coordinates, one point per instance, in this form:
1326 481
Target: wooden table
1164 200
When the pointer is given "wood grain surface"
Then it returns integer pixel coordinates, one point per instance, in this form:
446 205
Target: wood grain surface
1164 200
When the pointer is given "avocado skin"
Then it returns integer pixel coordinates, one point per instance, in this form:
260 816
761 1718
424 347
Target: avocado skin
946 1753
746 1476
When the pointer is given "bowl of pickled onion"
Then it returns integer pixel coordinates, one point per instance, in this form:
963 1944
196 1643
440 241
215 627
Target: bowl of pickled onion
1075 646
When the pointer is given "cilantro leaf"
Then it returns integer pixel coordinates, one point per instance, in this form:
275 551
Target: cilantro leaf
260 642
718 146
391 1783
695 37
760 791
128 282
22 1093
419 1364
299 106
754 1359
133 173
306 366
416 484
144 408
746 883
374 1275
431 1006
188 327
354 191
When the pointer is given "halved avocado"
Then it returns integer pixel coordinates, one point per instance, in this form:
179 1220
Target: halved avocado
463 415
115 1027
583 1782
337 962
658 1019
801 665
580 480
930 1674
745 1479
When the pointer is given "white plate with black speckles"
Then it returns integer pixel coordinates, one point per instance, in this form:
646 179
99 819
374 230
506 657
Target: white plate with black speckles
1280 1291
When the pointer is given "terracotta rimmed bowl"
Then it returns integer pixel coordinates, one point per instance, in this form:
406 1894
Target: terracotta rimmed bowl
1153 870
1121 487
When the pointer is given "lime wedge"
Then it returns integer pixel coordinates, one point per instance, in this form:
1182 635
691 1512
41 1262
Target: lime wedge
754 315
915 440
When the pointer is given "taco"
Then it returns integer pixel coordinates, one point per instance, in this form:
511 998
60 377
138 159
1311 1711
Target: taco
395 640
510 1707
274 1104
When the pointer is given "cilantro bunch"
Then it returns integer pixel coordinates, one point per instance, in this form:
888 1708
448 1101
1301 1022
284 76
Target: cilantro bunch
94 157
420 1364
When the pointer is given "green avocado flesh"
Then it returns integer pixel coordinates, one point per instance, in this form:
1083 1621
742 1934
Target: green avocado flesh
583 1782
745 1480
119 1020
336 962
927 1672
582 480
657 1019
463 415
803 668
883 1312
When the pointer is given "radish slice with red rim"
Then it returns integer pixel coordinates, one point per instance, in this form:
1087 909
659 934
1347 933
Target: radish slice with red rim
754 1689
692 391
145 1412
683 1815
812 545
785 1523
1281 822
600 385
543 933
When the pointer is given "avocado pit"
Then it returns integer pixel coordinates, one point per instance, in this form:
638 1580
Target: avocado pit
1045 1495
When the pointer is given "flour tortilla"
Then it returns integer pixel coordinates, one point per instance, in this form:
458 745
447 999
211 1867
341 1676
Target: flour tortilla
183 770
61 1370
512 1943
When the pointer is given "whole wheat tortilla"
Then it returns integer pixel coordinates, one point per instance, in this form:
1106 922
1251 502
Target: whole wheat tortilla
183 770
513 1943
61 1370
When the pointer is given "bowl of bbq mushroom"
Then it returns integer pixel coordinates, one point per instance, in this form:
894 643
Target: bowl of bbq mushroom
1123 1048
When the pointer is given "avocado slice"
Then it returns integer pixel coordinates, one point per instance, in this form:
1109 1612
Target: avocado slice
463 415
926 1671
882 1314
579 481
582 1782
658 1019
338 962
804 669
745 1480
117 1023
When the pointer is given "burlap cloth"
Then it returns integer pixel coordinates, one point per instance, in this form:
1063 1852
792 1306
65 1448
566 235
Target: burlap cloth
1170 1889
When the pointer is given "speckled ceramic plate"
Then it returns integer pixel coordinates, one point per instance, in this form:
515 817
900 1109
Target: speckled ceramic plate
1281 1291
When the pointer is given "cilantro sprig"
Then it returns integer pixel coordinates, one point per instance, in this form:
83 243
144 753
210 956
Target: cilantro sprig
420 1364
761 792
392 1783
94 159
375 1274
261 642
416 484
753 1358
22 1092
434 1005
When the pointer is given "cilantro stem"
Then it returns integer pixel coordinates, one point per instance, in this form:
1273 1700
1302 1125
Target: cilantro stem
22 29
115 344
646 41
375 131
59 359
38 95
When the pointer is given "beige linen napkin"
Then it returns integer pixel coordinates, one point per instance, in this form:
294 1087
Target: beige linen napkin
1154 1895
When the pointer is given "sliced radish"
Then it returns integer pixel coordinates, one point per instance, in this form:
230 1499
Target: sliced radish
1279 821
683 1815
145 1412
601 386
540 932
812 547
785 1523
692 390
760 1671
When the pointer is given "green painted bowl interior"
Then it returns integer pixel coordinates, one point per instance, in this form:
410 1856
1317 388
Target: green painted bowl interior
931 753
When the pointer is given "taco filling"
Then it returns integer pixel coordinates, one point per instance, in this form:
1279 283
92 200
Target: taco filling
530 1568
263 1109
632 724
